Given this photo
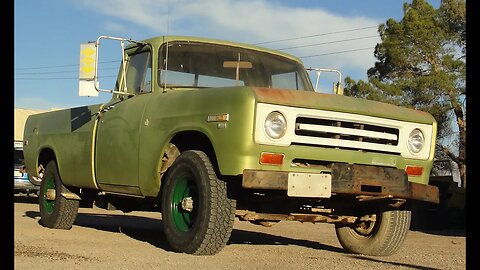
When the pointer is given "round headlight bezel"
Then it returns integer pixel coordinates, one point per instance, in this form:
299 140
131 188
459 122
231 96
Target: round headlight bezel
416 141
275 125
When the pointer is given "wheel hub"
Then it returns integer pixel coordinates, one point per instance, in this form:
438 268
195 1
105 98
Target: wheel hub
50 194
187 204
366 225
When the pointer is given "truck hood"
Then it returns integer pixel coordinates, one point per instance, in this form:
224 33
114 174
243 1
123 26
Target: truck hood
338 103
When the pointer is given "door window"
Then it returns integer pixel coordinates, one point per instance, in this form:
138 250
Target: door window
139 73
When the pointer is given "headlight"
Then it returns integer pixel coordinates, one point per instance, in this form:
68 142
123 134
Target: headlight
275 125
416 141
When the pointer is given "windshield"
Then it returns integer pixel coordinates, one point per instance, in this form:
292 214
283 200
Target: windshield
210 65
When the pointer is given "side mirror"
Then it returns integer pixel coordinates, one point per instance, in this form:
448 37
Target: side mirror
88 59
337 87
88 84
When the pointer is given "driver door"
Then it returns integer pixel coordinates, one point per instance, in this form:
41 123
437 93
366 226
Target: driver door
119 127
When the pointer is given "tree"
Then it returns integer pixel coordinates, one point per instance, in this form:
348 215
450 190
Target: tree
421 63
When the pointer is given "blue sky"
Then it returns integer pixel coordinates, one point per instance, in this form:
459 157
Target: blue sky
48 34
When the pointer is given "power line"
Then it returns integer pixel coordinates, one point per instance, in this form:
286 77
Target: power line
44 67
353 50
307 56
58 78
317 35
329 42
56 72
73 65
266 42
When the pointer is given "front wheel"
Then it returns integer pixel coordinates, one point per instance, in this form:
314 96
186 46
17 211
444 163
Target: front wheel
55 210
197 215
381 237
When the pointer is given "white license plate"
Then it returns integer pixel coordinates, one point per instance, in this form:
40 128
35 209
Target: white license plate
309 185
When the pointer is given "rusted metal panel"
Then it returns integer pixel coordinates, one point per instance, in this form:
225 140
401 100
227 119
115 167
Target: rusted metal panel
369 180
314 218
425 192
379 181
355 180
276 180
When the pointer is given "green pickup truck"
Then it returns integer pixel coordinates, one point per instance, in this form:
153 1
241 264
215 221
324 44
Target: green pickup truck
205 131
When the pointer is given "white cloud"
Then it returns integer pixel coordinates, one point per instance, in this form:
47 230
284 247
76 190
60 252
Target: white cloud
253 21
117 27
141 12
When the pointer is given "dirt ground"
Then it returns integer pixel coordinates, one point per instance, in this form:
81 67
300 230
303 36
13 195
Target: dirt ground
102 239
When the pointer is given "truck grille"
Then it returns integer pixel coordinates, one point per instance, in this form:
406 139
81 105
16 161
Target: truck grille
345 134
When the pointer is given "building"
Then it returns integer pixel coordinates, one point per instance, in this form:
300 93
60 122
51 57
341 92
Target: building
20 117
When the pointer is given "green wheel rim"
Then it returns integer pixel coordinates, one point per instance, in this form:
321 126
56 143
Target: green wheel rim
182 189
49 205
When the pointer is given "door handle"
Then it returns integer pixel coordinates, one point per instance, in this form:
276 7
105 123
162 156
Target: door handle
105 109
108 108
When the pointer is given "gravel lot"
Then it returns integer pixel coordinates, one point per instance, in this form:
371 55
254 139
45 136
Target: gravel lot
102 239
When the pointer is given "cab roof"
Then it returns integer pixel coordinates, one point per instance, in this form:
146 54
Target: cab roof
156 42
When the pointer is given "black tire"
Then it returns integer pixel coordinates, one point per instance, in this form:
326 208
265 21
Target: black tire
59 213
205 227
382 237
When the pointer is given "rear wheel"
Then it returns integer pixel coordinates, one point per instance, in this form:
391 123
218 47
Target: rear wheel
55 210
197 215
381 237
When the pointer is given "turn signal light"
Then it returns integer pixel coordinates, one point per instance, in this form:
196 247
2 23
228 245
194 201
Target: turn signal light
414 170
271 158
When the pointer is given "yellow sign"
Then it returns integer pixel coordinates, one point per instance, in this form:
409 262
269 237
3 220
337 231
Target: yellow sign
88 54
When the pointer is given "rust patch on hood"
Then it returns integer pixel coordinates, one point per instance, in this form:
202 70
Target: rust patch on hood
339 103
